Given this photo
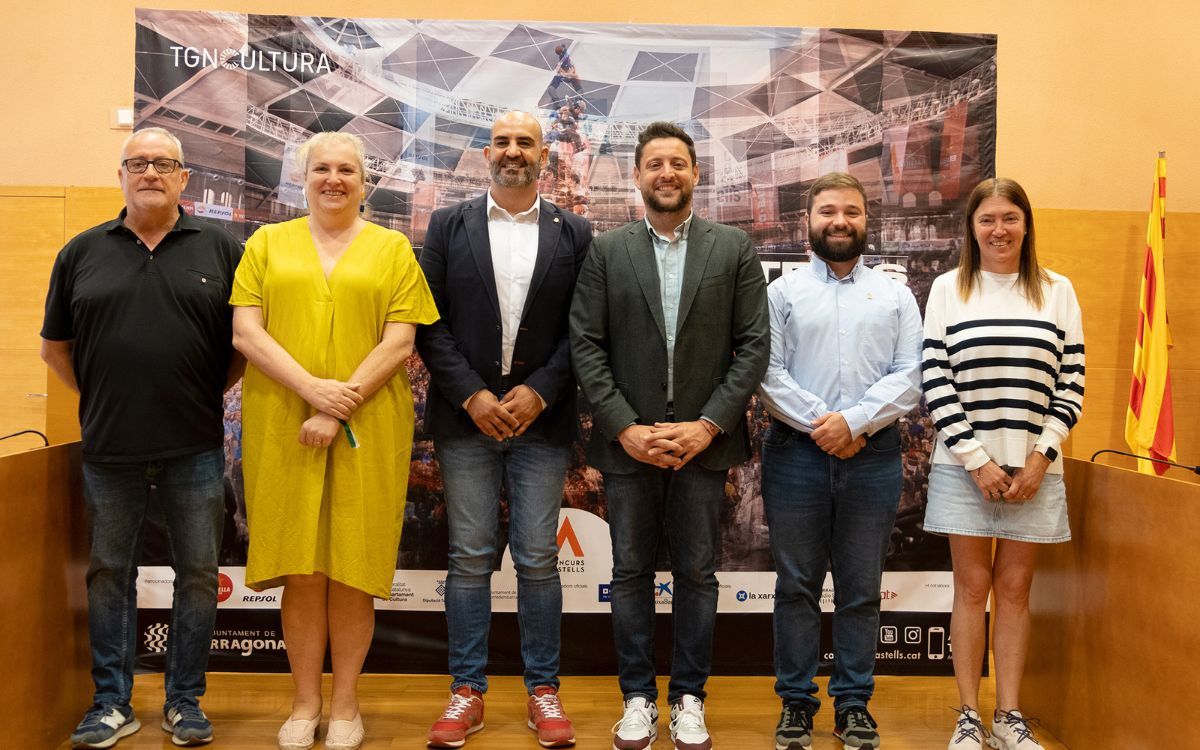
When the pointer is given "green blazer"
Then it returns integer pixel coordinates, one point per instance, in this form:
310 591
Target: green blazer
618 339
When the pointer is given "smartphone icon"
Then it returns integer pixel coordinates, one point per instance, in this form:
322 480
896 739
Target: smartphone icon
937 643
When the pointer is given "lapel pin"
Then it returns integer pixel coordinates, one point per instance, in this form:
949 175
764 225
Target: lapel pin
555 219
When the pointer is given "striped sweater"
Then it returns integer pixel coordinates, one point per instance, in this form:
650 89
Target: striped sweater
1002 378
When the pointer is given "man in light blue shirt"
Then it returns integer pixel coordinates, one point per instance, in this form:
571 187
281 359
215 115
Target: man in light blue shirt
844 366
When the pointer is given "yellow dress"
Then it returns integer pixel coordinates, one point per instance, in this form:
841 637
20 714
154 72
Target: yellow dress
335 510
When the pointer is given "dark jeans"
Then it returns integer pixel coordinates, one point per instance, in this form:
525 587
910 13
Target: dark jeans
689 501
474 469
192 494
826 513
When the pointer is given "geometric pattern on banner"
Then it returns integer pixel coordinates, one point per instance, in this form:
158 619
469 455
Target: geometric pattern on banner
597 97
661 66
865 88
757 141
779 94
346 33
531 47
155 79
401 115
310 112
946 56
430 61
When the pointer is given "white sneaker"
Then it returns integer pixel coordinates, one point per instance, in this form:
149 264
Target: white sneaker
969 733
1012 731
638 727
687 724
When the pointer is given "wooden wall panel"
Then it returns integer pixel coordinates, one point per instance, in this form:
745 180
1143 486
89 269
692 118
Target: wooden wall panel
1115 605
89 206
85 208
31 233
1102 252
43 634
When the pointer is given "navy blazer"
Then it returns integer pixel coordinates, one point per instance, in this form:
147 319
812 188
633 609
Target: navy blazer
462 351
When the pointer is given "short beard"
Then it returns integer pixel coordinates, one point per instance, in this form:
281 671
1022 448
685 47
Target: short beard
527 176
653 202
827 253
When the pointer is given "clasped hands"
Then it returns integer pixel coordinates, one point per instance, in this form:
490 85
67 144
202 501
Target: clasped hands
333 400
832 434
995 483
667 445
506 417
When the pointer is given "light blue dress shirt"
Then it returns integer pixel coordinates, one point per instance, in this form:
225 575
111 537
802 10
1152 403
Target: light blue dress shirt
669 257
851 345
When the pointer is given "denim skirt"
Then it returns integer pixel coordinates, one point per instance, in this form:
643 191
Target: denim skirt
956 506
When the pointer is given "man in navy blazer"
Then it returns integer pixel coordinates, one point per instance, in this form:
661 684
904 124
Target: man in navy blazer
501 409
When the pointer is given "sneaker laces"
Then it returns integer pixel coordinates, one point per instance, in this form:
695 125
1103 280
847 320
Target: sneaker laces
1020 725
549 705
97 713
637 718
689 718
188 709
857 716
459 704
794 714
969 727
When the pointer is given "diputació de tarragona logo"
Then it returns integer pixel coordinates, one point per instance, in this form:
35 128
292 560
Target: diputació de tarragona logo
249 58
156 637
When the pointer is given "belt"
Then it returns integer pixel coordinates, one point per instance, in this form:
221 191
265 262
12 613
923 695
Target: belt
787 429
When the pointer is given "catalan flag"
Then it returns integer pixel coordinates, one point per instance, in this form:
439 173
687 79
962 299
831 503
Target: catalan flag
1150 421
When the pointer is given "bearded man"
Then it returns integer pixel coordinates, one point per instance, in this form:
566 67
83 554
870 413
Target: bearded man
669 339
501 409
844 366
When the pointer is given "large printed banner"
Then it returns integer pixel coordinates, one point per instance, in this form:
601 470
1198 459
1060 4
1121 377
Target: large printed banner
911 114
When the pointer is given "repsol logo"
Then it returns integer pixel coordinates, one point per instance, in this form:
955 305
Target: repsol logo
269 60
260 598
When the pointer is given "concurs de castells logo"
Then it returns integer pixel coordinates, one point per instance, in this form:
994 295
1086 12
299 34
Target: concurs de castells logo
249 58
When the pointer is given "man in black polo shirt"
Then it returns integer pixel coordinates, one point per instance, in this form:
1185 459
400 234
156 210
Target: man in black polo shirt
138 322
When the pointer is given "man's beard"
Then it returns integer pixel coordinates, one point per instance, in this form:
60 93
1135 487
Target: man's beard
825 252
656 204
527 175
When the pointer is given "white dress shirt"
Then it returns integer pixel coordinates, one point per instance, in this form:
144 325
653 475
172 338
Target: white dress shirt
514 242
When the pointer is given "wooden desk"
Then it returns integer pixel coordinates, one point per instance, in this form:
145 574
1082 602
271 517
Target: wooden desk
43 602
1114 652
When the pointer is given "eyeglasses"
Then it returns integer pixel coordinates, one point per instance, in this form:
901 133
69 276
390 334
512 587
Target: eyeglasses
162 166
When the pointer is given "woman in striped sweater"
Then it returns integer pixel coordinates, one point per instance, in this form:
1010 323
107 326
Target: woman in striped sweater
1003 376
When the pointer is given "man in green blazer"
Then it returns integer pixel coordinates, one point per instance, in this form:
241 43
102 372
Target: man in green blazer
669 339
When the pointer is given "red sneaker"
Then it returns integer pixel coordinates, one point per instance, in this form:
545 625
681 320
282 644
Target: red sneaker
463 716
546 717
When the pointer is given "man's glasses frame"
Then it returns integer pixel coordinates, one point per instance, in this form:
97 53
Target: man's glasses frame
162 166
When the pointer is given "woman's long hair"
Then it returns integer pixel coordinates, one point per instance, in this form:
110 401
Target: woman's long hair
1030 276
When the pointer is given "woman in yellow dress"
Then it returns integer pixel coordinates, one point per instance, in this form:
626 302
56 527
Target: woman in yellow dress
326 308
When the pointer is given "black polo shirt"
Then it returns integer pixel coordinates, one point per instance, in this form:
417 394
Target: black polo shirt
153 336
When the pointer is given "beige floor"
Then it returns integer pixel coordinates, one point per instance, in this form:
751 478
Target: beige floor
914 713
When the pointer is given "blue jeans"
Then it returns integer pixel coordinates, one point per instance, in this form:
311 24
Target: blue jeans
689 500
532 470
117 495
825 513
